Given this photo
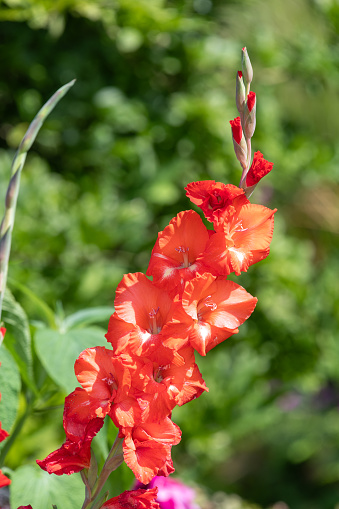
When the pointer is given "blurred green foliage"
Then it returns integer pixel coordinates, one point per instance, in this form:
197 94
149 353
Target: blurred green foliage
148 114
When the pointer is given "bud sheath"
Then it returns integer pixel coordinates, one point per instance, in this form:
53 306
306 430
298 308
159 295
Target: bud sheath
249 115
239 141
240 95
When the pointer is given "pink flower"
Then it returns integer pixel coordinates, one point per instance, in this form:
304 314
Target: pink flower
172 494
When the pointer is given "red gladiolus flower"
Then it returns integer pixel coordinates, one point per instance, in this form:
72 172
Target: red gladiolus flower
218 307
242 239
214 197
147 448
145 459
142 319
3 433
162 386
4 481
259 168
106 379
72 456
175 256
137 499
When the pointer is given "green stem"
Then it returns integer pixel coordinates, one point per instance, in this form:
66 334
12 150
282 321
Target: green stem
7 223
8 443
248 163
113 461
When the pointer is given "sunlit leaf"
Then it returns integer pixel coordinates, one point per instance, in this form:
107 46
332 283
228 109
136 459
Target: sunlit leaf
31 485
59 350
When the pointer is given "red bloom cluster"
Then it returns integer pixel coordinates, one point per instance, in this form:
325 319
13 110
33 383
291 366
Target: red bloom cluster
157 327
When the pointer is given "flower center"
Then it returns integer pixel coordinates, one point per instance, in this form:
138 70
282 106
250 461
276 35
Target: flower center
184 251
155 326
205 306
111 383
158 373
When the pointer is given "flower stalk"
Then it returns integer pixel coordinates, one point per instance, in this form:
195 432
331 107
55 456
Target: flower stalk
113 461
7 222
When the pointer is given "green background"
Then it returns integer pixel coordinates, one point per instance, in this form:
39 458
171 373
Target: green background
148 114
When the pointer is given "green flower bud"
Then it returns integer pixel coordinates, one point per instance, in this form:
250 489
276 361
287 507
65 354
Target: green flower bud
247 70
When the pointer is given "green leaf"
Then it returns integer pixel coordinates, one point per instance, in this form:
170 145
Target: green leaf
18 337
88 316
31 485
10 384
40 306
59 350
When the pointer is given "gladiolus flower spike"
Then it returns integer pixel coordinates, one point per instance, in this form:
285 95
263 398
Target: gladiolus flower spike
243 128
183 305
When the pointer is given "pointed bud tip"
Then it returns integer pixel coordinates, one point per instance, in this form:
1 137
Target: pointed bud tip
246 66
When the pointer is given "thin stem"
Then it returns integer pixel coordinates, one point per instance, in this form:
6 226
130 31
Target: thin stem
7 223
248 163
8 443
113 461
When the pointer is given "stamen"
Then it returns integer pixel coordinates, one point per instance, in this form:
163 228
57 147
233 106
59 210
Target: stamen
154 329
153 313
110 381
206 303
184 251
238 227
158 375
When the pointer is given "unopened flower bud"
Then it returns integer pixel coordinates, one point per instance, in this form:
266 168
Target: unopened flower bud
240 94
249 115
246 67
239 142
